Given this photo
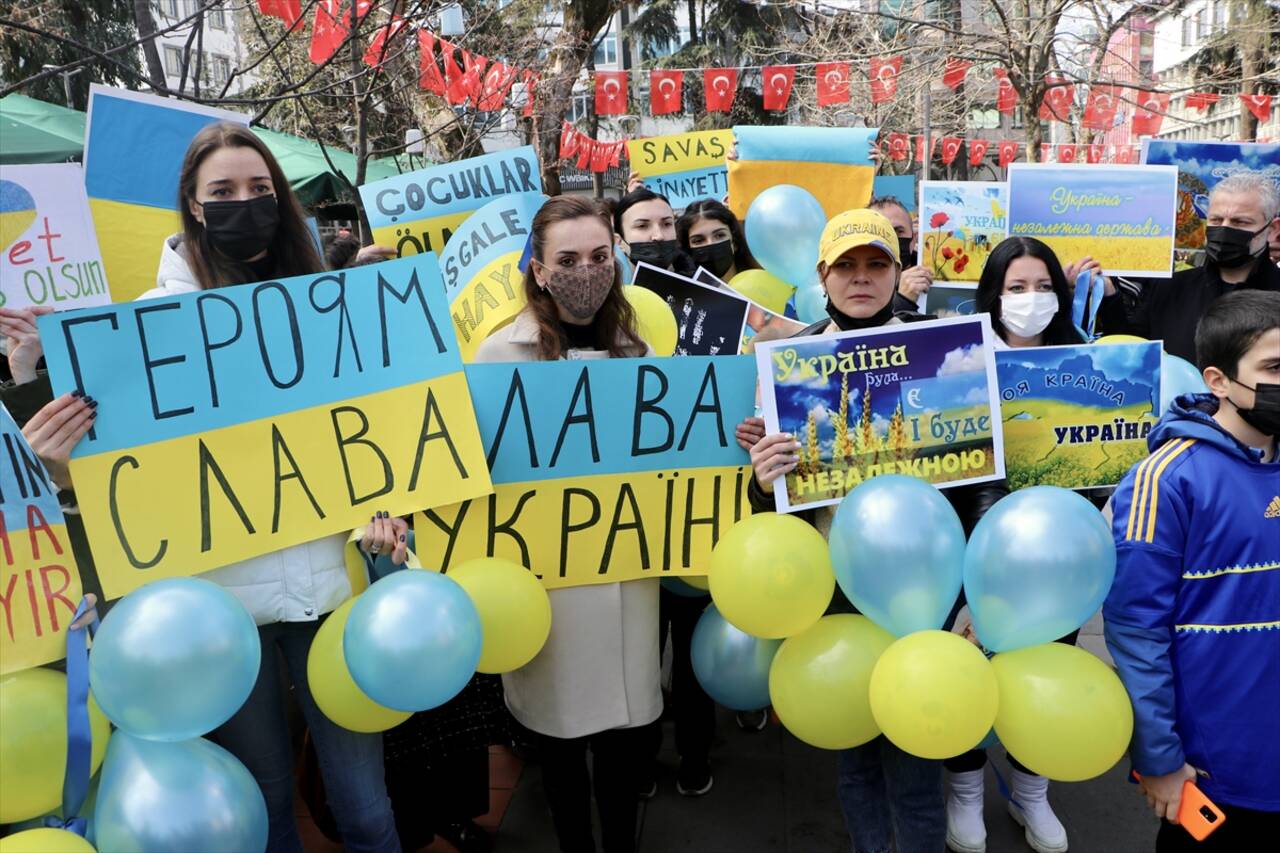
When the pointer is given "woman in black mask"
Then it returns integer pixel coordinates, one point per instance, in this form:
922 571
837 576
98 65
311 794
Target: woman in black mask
712 237
646 229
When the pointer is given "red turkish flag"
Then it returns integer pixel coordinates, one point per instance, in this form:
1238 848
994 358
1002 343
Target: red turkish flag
1008 152
899 146
884 79
1100 107
1006 95
473 74
328 31
497 82
380 45
666 92
1148 115
568 140
978 151
1046 151
833 83
289 11
586 146
1058 97
530 80
953 74
1093 153
429 76
611 93
719 85
600 154
455 78
950 149
615 156
777 81
920 155
1066 153
1201 100
1126 154
1259 105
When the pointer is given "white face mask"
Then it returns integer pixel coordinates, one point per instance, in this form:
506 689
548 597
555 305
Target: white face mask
1027 314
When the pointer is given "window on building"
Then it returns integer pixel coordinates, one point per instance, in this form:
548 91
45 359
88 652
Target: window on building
172 61
1219 15
171 8
1188 34
607 51
1202 24
219 69
581 107
217 18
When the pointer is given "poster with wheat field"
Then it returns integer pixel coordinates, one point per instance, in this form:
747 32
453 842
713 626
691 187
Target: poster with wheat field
919 399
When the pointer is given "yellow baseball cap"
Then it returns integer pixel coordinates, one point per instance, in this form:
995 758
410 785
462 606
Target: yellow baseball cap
855 228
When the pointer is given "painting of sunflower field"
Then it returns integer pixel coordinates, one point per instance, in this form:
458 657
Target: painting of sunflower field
961 222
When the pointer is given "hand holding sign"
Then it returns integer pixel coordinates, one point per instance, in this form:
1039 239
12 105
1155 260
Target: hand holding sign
54 430
18 325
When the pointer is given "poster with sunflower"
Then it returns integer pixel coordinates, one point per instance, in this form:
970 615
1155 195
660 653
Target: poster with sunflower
961 222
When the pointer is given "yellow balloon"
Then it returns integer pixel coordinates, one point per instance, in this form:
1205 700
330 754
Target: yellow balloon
1063 712
770 575
696 581
933 693
45 841
654 320
515 612
764 288
819 682
33 742
332 686
1120 339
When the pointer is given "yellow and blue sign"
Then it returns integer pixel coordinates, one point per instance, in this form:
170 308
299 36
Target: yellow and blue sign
239 421
483 271
418 212
833 163
684 167
134 146
605 470
39 581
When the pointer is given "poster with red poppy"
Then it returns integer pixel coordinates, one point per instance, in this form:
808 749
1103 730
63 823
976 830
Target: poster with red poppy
961 221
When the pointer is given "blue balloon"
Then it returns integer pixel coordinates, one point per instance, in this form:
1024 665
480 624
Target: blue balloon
174 659
1177 377
731 665
193 795
1038 565
412 640
903 581
681 588
783 227
811 303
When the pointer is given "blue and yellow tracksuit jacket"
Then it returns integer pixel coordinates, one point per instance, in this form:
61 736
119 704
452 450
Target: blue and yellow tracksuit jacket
1193 619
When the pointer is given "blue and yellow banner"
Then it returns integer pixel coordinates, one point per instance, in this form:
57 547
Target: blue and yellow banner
684 167
1077 416
239 421
483 278
418 211
833 163
901 187
605 470
133 150
39 581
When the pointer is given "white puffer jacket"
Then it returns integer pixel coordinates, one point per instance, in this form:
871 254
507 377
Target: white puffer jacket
296 584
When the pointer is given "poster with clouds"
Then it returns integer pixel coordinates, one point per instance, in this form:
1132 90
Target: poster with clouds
918 399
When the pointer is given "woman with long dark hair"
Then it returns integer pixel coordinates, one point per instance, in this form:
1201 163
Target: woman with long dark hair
712 236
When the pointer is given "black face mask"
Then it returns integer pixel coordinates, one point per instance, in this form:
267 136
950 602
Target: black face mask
241 229
905 256
1228 248
1265 414
716 258
658 253
845 323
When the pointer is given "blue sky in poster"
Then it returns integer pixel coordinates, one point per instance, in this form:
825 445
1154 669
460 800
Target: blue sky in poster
1213 161
1091 196
1133 370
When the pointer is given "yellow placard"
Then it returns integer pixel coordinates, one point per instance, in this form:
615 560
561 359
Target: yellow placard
491 300
679 152
419 236
39 591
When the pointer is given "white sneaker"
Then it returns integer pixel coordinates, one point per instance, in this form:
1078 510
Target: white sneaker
1030 808
966 833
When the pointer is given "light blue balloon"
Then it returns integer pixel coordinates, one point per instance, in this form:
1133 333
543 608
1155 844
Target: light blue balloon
412 640
897 547
783 226
1177 377
811 304
174 659
1038 565
683 589
731 665
192 795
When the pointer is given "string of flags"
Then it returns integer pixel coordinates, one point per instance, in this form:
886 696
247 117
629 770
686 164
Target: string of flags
590 154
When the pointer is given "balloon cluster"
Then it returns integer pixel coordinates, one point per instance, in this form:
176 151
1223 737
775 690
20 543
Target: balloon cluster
1037 566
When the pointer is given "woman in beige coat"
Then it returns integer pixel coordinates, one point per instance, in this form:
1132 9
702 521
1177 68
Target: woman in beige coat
595 683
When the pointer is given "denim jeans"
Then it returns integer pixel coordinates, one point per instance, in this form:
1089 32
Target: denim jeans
891 800
350 763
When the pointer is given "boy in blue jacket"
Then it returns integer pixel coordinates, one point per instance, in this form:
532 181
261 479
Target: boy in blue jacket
1193 619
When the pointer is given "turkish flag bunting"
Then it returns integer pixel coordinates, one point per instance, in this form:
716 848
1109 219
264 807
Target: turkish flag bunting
920 155
601 152
1058 95
899 146
720 85
615 156
1094 152
328 31
978 150
833 83
1126 154
1006 95
380 45
429 77
611 93
1046 151
666 92
953 74
473 74
1201 100
950 149
289 11
1148 115
777 81
569 140
586 146
530 80
884 79
455 78
1008 152
1259 105
1100 107
1066 153
497 82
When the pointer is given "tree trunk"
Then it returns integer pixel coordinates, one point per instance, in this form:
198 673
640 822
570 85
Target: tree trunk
693 22
1253 42
147 31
